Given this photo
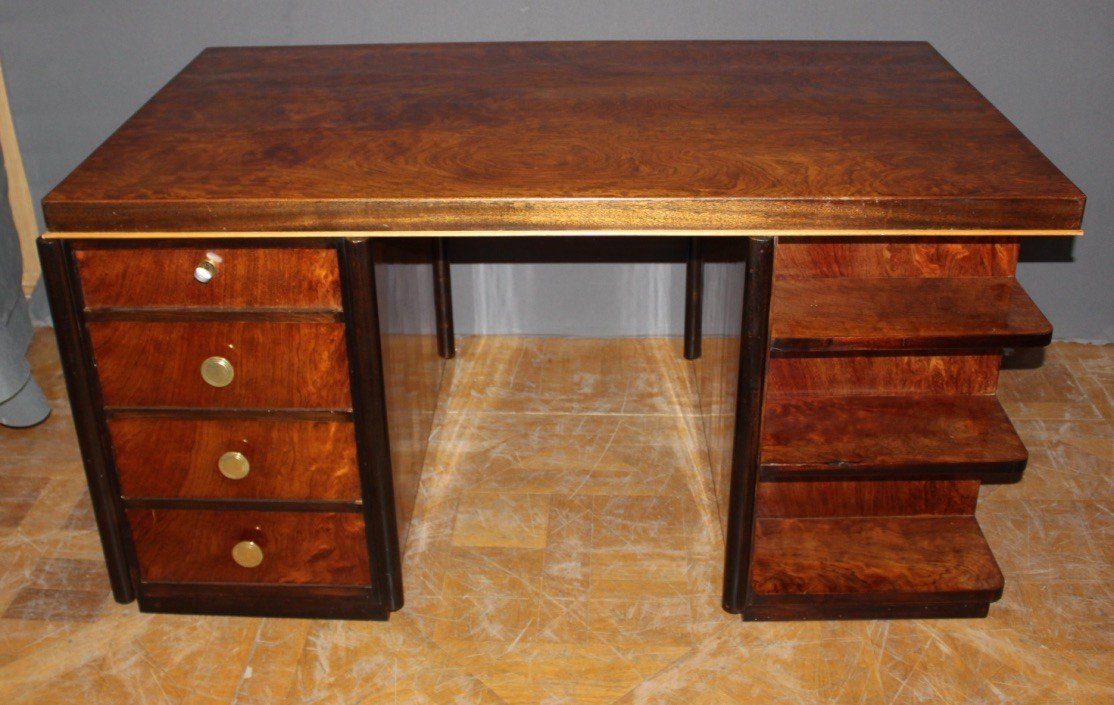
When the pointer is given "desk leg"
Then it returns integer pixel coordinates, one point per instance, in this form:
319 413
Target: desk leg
694 294
443 301
754 355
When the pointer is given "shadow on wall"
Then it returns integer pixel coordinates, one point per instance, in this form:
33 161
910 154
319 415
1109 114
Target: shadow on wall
1047 249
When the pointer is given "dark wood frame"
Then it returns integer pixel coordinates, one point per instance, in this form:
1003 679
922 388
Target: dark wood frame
755 353
369 406
86 403
694 295
443 301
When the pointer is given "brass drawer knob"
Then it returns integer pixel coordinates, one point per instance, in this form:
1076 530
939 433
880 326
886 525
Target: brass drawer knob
217 371
234 465
205 271
247 554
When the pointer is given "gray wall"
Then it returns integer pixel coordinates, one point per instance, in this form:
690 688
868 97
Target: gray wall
77 69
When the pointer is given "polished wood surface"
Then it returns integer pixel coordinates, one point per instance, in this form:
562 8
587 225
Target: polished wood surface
884 374
567 136
860 498
890 436
277 365
288 459
874 560
304 548
245 278
851 313
939 256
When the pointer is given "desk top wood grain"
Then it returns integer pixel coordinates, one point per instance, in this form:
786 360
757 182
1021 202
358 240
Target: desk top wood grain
567 136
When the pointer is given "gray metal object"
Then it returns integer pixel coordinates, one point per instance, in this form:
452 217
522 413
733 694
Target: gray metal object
21 400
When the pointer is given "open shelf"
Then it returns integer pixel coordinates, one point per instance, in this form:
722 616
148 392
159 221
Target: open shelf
861 314
876 566
890 437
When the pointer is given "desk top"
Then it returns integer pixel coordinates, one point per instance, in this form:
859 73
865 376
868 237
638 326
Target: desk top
796 137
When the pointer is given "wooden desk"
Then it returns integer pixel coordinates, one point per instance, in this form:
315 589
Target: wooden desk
849 214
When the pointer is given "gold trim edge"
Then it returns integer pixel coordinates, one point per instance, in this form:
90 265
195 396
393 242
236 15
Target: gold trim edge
354 234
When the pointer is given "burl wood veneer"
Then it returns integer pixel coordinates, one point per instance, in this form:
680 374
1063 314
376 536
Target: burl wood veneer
882 373
933 257
567 136
883 497
277 365
873 562
286 460
849 313
313 548
303 278
848 214
812 437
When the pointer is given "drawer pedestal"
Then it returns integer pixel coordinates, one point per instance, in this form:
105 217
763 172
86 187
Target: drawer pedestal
258 484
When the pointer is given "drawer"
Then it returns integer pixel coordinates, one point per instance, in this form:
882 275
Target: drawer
182 545
273 365
240 278
236 459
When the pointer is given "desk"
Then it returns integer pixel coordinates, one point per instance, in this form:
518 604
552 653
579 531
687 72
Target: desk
251 294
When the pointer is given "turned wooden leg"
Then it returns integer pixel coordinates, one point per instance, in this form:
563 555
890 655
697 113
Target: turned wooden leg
443 301
694 291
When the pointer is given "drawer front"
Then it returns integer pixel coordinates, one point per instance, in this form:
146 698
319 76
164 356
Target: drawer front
170 458
181 545
240 278
273 365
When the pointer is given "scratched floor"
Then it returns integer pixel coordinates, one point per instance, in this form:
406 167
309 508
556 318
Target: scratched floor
583 570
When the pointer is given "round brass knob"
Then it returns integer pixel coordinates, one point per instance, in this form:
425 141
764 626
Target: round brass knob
234 465
217 371
247 554
205 271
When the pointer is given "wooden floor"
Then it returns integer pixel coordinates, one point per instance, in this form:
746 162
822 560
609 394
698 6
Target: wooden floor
585 570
